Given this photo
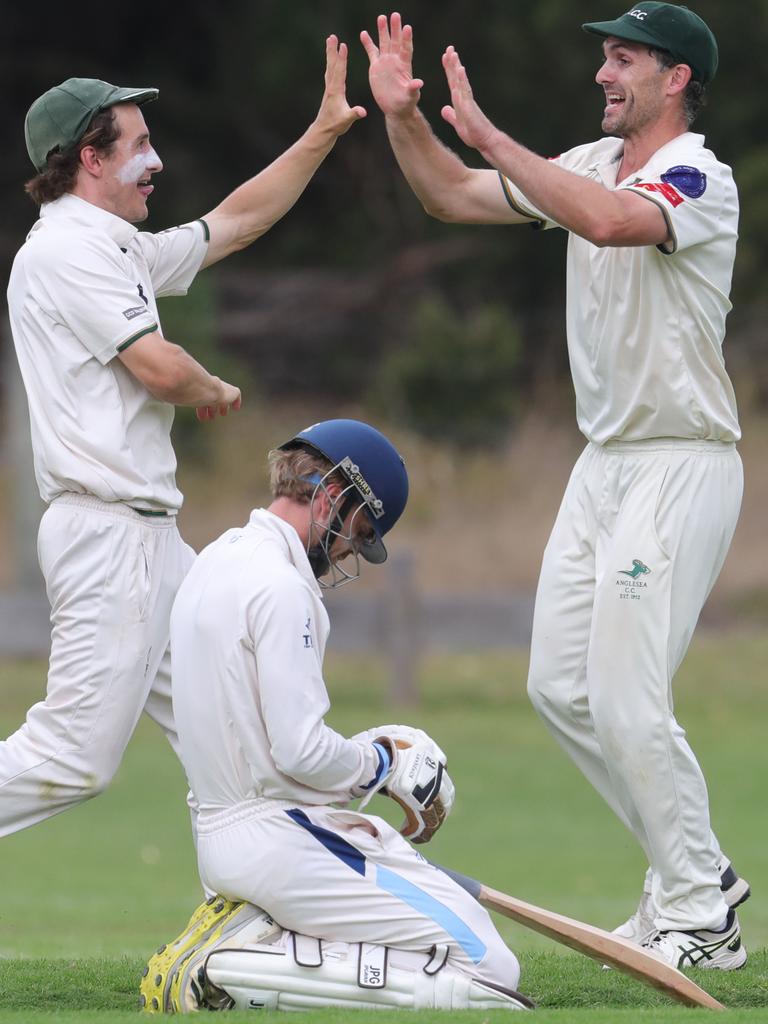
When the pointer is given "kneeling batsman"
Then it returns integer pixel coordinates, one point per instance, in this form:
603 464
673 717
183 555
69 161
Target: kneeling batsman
321 904
233 955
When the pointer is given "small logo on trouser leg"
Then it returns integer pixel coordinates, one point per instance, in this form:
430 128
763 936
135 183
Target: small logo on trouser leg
633 584
638 569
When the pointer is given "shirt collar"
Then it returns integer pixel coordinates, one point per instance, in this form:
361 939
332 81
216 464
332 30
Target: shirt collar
665 155
289 538
607 166
80 211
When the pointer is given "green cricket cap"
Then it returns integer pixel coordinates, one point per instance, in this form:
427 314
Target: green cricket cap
666 27
59 118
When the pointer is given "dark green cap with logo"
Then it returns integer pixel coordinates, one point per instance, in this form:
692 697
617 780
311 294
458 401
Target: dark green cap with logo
59 118
666 27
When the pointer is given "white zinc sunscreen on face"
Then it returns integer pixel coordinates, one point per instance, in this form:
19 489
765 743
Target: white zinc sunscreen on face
139 166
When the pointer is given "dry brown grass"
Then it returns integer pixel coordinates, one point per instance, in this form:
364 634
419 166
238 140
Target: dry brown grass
474 523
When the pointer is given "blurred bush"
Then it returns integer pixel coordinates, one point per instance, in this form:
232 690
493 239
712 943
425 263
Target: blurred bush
193 321
315 305
456 378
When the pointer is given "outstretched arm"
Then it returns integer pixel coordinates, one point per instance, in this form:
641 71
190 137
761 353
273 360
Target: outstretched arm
256 205
446 187
585 207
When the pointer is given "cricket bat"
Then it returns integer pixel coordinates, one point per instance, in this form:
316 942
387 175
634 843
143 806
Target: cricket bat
603 946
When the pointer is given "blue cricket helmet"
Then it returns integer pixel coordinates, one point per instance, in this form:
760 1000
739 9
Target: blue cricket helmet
372 465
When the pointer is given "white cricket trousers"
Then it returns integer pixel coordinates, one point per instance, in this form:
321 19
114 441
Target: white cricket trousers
111 576
347 877
640 538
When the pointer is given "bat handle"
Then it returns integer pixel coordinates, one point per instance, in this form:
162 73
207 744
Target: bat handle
472 886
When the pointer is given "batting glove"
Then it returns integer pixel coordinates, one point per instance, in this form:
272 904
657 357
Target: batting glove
417 780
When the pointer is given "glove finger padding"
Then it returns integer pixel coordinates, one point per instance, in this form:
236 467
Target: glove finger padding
407 733
419 782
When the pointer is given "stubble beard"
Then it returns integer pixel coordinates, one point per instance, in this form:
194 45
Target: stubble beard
632 119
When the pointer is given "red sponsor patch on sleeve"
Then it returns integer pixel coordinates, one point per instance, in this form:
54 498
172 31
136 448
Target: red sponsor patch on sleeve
669 192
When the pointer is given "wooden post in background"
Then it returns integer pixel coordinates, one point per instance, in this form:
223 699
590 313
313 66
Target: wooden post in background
402 639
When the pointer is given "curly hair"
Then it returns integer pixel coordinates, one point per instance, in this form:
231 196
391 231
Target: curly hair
694 97
60 173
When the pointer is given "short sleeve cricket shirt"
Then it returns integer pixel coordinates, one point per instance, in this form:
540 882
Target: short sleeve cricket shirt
646 324
82 289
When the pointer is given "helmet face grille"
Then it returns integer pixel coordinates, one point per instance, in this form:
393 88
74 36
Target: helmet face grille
327 565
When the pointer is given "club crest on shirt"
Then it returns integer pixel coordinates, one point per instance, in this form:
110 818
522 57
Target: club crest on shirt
688 180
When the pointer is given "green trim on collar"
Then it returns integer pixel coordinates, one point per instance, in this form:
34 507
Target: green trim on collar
206 229
135 337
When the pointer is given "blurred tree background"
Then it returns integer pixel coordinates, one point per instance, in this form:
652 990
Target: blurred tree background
358 300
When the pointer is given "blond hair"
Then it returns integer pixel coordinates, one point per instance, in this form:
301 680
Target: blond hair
294 473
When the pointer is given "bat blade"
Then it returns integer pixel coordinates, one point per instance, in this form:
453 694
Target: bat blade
603 946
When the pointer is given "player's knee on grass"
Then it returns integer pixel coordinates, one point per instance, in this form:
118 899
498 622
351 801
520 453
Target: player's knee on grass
233 955
500 966
299 973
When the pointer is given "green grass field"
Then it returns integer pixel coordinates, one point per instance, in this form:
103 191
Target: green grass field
88 895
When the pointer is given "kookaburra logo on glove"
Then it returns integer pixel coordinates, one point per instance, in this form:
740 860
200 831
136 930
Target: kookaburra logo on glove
417 780
426 793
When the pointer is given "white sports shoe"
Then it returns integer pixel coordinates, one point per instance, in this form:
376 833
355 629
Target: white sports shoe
640 927
703 948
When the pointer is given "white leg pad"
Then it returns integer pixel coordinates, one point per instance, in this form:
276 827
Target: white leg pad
301 973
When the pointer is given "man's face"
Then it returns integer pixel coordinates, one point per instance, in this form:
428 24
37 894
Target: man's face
129 167
331 542
356 532
635 87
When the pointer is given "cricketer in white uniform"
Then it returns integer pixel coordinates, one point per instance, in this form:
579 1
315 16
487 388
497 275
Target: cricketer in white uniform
102 382
652 504
377 924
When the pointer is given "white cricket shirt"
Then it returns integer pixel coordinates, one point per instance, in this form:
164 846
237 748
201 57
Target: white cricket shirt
81 290
646 324
248 633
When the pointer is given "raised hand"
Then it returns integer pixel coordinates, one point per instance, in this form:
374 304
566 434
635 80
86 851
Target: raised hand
391 73
335 114
470 123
